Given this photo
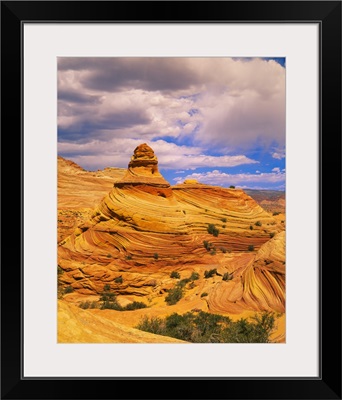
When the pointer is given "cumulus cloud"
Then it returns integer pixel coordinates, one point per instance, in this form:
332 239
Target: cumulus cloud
219 178
117 153
276 169
278 154
237 103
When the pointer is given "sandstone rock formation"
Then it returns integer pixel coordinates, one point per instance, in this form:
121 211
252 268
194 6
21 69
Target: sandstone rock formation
143 229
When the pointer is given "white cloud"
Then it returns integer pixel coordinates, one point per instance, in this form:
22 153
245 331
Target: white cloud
245 180
276 169
238 104
117 153
278 154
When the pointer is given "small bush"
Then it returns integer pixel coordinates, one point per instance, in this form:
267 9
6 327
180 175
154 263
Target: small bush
251 227
223 226
174 275
207 245
84 305
250 247
155 256
258 223
109 255
194 276
223 249
272 234
128 257
224 219
174 295
135 305
227 276
210 273
59 270
68 289
213 252
204 294
213 230
276 213
183 282
232 187
118 280
106 287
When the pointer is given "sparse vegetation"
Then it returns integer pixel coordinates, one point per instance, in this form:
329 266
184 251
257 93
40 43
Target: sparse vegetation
223 249
109 255
227 276
202 327
224 219
110 302
207 245
272 235
87 304
258 223
213 252
194 276
223 226
251 227
232 187
129 257
276 213
174 275
106 287
155 256
210 273
174 295
59 271
118 280
213 230
250 247
68 289
204 294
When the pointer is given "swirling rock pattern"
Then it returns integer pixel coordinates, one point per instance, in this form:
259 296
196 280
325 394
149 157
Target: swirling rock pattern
144 229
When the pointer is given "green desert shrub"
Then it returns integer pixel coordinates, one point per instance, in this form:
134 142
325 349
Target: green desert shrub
232 187
210 273
118 279
258 223
205 327
272 235
155 256
227 276
174 295
204 294
250 247
68 289
213 230
194 276
175 275
224 219
251 227
135 305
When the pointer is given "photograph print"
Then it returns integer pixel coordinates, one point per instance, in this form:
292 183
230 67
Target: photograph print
171 213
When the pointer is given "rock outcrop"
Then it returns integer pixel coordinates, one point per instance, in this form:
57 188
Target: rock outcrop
143 229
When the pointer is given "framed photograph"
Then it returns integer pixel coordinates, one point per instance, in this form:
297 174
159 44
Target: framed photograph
164 183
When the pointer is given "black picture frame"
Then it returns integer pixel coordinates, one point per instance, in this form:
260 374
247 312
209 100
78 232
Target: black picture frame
328 384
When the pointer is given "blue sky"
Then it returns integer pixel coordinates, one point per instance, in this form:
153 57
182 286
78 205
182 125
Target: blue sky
218 120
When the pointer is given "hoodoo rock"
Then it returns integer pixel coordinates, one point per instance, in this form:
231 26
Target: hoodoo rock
143 169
